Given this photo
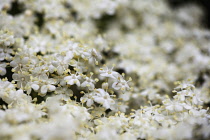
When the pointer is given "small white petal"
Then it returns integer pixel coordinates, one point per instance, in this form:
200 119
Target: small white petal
51 68
77 82
99 100
89 102
60 70
84 84
115 86
69 55
67 78
2 71
13 63
195 101
25 60
178 107
70 82
106 104
44 89
170 107
51 87
35 86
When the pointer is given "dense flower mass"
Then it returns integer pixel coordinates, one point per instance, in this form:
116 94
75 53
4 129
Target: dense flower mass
103 70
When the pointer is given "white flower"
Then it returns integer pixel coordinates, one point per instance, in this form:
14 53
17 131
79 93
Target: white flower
6 38
48 85
181 95
32 85
151 93
117 106
40 43
6 85
46 88
64 91
102 97
21 78
198 113
88 98
121 84
92 56
88 83
61 62
80 66
16 97
185 85
173 106
73 79
109 73
5 53
196 100
19 62
40 72
195 97
74 48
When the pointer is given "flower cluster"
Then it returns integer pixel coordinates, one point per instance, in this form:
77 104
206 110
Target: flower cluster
103 69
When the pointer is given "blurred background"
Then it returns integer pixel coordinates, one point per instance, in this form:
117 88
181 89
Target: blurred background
204 4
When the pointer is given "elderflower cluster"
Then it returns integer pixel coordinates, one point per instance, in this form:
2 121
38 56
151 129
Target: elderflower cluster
103 70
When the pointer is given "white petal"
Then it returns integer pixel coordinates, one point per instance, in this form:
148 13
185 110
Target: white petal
60 70
170 107
182 97
83 99
91 87
91 60
69 55
2 71
51 87
20 91
13 63
25 60
67 78
15 76
77 82
195 101
111 101
70 82
178 107
44 89
187 106
28 91
51 68
106 104
89 102
115 86
35 86
99 100
84 84
55 63
2 55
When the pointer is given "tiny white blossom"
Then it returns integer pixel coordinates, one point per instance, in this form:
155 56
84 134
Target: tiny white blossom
109 73
6 38
121 84
88 98
92 56
173 106
73 79
102 97
88 83
21 79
